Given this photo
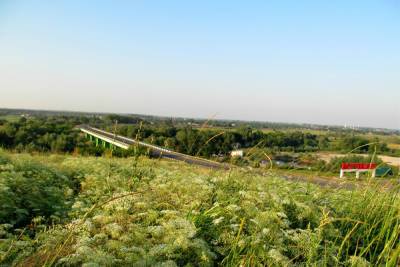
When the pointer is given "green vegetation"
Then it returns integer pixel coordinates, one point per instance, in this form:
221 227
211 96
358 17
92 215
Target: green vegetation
46 134
31 190
290 149
10 118
60 207
57 134
141 212
210 142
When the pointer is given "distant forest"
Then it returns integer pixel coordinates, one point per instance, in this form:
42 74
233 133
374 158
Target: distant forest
44 131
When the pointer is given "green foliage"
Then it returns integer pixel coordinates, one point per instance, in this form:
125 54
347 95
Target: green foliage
358 144
41 134
29 189
58 134
112 118
141 212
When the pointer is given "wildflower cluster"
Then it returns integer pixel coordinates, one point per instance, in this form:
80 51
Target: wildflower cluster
158 213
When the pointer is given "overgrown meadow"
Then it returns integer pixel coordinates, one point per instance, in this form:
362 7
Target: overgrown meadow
74 211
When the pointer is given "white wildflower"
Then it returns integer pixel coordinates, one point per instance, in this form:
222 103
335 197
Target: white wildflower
169 263
218 220
277 256
78 205
266 231
156 231
114 230
101 219
358 261
242 193
281 215
233 207
141 205
84 250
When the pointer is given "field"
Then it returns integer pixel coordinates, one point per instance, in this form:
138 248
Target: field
395 161
74 211
394 146
10 118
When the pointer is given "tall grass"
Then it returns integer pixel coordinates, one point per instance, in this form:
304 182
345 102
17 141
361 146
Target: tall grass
374 231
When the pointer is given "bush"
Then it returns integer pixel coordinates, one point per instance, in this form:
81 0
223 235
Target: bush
29 189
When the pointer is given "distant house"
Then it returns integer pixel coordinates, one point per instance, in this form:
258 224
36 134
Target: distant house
237 153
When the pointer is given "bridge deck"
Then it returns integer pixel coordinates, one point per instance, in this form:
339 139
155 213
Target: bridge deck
125 143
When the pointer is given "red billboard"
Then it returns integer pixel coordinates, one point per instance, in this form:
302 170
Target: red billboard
358 166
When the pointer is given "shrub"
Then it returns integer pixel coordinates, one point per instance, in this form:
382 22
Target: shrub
29 189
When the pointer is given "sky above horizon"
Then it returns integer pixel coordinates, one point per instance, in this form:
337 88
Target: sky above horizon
334 63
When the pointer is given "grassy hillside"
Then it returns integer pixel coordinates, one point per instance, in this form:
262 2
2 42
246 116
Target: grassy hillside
73 211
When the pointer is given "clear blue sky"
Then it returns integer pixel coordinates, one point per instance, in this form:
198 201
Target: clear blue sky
326 62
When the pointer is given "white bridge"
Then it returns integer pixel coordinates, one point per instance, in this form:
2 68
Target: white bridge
125 143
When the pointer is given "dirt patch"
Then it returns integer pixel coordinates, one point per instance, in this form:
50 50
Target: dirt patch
391 160
395 161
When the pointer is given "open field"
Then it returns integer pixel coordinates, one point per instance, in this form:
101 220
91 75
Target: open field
326 156
141 212
10 118
310 131
394 146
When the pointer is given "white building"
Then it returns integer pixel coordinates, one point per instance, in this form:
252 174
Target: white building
237 153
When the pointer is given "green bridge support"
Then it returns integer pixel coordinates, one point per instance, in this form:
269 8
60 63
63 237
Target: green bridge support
99 141
91 138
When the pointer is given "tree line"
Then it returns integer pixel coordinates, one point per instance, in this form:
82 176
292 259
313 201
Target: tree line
210 142
58 134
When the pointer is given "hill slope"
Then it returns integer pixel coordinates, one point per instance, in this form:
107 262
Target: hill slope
141 212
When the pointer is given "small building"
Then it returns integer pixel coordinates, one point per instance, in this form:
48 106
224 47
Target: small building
237 153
